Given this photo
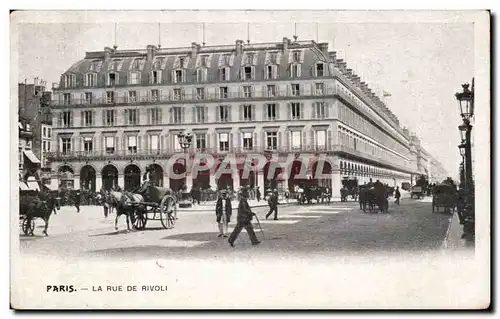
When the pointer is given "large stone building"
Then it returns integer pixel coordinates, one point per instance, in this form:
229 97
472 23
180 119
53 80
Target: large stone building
118 111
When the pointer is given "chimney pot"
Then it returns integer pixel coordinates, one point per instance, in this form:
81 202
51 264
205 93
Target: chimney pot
239 47
151 52
286 41
194 49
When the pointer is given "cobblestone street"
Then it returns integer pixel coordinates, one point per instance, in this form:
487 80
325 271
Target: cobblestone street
338 228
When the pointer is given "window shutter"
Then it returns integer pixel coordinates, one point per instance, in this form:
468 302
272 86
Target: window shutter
253 72
146 142
183 115
103 117
229 113
174 80
302 56
263 140
299 70
302 110
139 143
81 118
242 73
314 106
313 138
205 114
327 110
60 144
124 143
289 90
217 93
93 119
242 110
289 138
125 117
253 91
277 111
264 112
149 115
275 71
115 118
254 116
289 108
231 60
116 143
241 93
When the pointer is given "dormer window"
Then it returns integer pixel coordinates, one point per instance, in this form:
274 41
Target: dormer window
271 72
134 78
155 77
178 76
296 56
224 74
90 79
248 73
295 70
157 64
201 75
249 58
95 66
115 65
135 65
69 80
320 69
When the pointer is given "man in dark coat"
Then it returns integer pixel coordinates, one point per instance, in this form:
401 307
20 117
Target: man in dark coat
77 199
223 211
397 195
244 220
258 194
273 205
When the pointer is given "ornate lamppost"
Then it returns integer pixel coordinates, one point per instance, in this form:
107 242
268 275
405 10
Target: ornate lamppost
466 103
185 143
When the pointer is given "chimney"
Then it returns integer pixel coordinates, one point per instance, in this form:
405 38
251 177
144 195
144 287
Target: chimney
286 41
341 64
239 47
151 52
348 73
323 47
108 53
195 47
333 56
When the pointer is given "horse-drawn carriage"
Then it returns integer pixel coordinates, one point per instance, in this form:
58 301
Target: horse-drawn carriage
308 192
34 204
374 195
444 196
349 188
417 192
146 204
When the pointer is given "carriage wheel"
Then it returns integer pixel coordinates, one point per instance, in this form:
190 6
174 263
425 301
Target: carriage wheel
139 219
28 226
168 211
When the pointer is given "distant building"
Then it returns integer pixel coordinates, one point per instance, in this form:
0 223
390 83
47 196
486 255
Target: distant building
116 112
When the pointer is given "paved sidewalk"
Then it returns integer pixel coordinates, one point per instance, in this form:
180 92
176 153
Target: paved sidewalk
453 239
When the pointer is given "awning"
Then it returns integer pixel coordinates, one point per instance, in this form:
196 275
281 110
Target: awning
33 186
23 186
50 187
32 157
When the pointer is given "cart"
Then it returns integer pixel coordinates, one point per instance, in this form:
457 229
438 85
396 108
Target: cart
444 196
416 191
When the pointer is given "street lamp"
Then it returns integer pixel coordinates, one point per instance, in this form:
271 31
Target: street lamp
185 143
466 104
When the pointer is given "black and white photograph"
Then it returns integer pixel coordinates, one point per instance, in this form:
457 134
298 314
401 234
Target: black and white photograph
250 159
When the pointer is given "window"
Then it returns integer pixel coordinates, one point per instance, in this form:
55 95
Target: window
95 66
135 78
178 77
204 60
90 79
223 92
200 114
132 117
156 116
295 89
67 119
132 96
66 145
88 145
156 76
69 80
270 72
132 144
67 98
247 113
153 143
110 97
109 117
247 91
112 79
223 113
201 75
321 140
247 141
296 111
296 139
271 111
87 118
296 56
177 115
295 70
44 132
88 97
155 95
224 74
44 146
201 141
177 94
249 58
319 69
271 90
248 73
200 93
320 110
136 64
272 140
49 132
223 142
319 88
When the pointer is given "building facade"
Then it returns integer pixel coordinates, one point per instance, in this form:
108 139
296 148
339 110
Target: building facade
116 112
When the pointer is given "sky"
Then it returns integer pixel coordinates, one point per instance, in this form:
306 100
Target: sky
421 65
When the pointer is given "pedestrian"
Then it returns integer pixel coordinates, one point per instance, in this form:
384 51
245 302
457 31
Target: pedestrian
273 204
223 211
77 199
287 195
258 194
397 195
244 220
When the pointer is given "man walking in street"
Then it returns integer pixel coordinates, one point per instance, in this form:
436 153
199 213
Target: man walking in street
397 195
223 211
273 204
257 193
244 220
77 200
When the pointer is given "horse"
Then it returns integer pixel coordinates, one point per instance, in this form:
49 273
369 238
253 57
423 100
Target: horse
39 207
373 196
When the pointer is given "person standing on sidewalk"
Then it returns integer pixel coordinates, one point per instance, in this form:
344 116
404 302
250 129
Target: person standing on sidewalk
258 194
273 204
397 195
244 220
223 211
